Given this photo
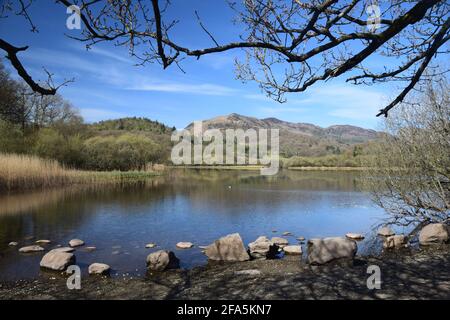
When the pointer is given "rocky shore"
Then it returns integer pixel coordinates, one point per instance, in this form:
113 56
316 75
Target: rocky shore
405 274
266 269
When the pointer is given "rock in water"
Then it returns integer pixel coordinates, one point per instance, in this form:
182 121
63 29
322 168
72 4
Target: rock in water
43 241
385 232
354 236
150 245
324 250
13 244
228 248
64 249
162 260
262 248
281 242
434 233
184 245
287 233
57 260
293 250
76 242
33 248
397 241
99 268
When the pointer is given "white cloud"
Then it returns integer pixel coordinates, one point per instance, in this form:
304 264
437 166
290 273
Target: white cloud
218 61
351 102
258 97
337 100
276 111
113 56
94 115
178 87
117 75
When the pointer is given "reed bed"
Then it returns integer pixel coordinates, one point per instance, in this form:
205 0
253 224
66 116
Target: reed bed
25 172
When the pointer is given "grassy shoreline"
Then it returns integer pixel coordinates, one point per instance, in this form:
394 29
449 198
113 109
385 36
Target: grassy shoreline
23 172
327 168
219 167
256 167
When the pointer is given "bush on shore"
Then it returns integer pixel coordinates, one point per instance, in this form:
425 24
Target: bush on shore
124 152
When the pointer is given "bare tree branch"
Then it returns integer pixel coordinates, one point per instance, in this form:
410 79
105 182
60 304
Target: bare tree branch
12 56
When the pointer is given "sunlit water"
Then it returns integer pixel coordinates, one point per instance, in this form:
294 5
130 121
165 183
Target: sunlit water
195 206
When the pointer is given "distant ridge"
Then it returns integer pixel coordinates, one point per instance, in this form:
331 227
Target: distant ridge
302 139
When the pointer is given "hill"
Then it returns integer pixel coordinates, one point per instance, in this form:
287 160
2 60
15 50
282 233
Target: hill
298 139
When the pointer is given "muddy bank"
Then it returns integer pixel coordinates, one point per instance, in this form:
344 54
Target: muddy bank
423 274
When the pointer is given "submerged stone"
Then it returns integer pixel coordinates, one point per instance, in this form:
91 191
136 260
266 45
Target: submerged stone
33 248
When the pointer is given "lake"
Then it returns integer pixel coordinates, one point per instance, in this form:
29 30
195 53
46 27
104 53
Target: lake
184 205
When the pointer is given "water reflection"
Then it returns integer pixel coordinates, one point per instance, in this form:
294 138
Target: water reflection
185 205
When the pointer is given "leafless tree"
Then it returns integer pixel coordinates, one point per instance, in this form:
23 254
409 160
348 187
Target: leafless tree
290 44
22 106
409 173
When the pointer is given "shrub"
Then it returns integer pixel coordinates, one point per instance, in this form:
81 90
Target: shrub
51 144
123 152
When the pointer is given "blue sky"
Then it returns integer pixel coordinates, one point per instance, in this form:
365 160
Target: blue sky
109 85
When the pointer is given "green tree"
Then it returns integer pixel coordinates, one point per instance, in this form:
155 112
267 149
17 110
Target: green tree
123 152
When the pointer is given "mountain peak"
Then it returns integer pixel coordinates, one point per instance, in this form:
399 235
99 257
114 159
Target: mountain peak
302 139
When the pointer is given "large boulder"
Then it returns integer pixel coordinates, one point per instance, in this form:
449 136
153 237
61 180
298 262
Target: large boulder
324 250
57 260
281 242
293 250
228 248
162 260
262 248
393 242
385 232
434 233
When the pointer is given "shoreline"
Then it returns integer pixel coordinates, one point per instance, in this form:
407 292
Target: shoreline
255 168
327 168
405 274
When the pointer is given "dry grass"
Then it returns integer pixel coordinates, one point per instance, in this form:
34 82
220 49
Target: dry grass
23 172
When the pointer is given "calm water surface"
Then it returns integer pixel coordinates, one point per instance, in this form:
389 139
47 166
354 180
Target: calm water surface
195 206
